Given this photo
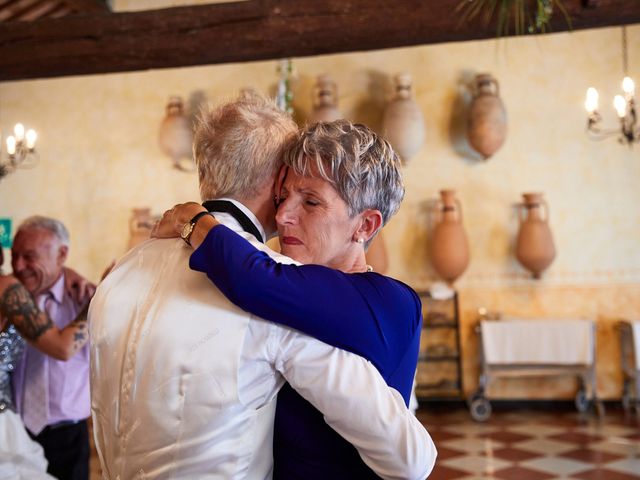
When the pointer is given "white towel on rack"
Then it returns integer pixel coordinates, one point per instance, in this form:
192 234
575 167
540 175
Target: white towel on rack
635 326
538 342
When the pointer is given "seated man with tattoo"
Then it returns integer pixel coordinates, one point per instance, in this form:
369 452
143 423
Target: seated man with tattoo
51 377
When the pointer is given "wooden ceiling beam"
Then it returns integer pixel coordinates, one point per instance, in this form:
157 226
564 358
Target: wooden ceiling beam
96 6
17 8
39 9
60 11
251 30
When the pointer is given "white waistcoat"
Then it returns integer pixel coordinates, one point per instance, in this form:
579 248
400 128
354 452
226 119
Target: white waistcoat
165 351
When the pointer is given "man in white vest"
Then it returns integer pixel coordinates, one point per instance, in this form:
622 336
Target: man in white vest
183 383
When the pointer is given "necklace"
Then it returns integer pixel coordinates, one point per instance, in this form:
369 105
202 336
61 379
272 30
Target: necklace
369 268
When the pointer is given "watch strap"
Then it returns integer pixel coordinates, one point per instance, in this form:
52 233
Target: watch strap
193 222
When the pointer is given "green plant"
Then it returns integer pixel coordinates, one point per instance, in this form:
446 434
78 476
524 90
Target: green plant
527 16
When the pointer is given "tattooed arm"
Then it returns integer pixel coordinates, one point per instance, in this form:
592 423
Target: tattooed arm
18 307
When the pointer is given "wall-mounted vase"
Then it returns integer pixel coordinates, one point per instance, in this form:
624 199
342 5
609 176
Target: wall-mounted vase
449 245
487 127
176 133
325 101
403 122
534 247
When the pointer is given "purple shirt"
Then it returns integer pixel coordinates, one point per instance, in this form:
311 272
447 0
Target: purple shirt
68 380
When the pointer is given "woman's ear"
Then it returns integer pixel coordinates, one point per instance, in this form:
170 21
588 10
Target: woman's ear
370 223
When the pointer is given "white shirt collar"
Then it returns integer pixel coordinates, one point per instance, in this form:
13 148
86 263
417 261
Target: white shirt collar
247 212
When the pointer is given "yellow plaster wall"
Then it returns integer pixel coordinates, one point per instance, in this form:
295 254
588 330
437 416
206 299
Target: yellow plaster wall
99 158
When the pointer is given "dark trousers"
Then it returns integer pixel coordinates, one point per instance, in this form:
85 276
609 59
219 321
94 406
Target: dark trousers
66 448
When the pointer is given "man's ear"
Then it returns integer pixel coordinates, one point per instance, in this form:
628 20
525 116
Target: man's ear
63 252
370 223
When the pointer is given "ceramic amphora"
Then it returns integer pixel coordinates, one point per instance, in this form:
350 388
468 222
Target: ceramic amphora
449 245
176 134
487 127
325 101
403 123
535 249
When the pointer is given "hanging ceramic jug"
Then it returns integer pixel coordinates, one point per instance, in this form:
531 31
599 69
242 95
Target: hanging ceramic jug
377 254
140 225
449 245
403 123
325 101
176 134
534 248
487 127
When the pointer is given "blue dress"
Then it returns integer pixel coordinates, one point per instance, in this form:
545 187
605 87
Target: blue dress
374 316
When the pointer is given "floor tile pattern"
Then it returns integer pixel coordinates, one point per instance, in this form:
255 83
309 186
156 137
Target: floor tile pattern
529 444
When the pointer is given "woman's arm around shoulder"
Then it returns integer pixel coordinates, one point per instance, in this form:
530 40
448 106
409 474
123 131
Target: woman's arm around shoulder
18 307
357 312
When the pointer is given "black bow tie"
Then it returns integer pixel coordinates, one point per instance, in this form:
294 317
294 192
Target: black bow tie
229 207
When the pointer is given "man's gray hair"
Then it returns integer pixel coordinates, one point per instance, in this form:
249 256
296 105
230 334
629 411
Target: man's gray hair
360 165
237 146
46 223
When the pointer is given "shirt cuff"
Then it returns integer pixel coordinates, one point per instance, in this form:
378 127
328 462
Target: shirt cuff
199 259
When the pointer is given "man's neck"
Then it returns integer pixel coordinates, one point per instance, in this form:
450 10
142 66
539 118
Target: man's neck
50 286
264 212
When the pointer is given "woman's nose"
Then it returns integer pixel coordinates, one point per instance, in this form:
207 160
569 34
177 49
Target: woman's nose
285 213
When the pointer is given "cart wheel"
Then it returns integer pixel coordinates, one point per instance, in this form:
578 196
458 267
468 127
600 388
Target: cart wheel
480 409
479 393
582 402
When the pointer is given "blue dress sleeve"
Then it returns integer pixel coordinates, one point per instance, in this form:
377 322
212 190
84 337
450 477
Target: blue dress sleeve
366 313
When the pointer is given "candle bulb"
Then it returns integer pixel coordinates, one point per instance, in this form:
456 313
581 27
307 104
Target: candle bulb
11 145
628 86
31 138
18 131
591 102
620 105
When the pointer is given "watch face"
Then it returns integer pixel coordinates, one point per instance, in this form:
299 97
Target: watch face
186 230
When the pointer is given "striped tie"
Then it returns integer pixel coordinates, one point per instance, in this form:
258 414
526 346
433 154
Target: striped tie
35 407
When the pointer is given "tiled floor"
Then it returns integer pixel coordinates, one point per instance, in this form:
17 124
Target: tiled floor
516 444
535 444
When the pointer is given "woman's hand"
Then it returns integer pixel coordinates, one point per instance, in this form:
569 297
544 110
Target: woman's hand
79 288
172 221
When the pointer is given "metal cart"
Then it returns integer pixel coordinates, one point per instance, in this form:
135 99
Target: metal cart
630 351
478 402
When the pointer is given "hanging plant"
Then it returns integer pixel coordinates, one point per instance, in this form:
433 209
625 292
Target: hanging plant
526 16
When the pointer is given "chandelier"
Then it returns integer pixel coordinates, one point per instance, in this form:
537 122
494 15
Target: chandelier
21 150
624 105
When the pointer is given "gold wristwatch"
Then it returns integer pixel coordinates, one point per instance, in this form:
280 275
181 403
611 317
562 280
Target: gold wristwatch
188 227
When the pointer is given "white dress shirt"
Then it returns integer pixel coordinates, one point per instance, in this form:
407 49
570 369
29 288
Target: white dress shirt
184 383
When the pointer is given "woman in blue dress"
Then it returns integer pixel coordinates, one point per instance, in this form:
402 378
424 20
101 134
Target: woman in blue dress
339 185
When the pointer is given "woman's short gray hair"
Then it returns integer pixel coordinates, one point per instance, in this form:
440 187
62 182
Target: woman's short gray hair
238 145
46 223
360 165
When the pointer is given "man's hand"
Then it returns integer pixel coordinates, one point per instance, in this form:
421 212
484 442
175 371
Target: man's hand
172 221
79 288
